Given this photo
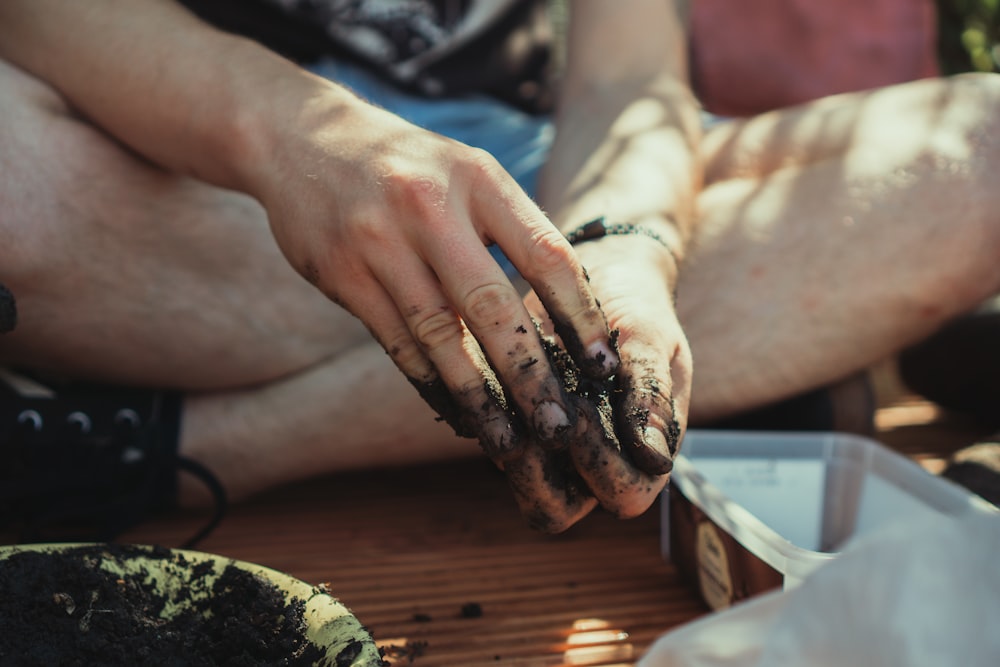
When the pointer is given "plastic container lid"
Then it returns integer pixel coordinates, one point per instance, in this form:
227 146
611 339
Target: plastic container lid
793 499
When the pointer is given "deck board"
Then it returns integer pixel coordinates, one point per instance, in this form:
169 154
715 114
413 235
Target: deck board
407 549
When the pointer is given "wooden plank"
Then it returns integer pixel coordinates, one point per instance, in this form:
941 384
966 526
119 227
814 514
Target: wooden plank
408 549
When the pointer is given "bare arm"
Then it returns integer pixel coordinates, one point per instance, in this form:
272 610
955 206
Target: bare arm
628 125
386 219
184 95
627 132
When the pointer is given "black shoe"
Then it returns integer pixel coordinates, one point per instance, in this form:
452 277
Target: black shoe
847 406
958 368
8 311
86 462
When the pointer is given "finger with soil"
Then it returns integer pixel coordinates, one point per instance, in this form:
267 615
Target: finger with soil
488 413
435 348
600 362
549 493
491 420
488 318
559 282
620 486
645 419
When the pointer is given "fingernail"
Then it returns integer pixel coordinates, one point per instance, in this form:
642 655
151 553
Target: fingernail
550 421
500 441
603 355
653 454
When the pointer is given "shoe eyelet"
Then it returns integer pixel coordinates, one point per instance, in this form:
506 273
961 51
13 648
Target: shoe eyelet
128 417
81 421
32 416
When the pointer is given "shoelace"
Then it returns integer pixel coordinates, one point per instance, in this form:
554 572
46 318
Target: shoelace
218 495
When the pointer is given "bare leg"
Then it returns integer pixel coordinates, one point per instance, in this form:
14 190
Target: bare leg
816 258
836 233
349 412
128 274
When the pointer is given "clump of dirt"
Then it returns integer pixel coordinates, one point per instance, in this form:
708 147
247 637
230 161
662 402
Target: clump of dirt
573 380
471 610
597 392
621 414
64 608
611 454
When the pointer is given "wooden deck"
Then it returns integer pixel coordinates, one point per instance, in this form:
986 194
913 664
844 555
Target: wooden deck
437 563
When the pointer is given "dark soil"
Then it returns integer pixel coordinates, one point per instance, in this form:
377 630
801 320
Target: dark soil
573 380
611 453
63 609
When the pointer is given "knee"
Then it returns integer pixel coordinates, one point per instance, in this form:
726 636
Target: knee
31 137
961 158
967 138
24 93
978 95
24 102
969 113
48 157
984 137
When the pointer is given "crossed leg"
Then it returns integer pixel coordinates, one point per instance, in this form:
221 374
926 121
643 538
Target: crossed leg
127 274
836 233
832 235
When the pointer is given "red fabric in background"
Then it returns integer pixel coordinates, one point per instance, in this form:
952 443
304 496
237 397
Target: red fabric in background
750 56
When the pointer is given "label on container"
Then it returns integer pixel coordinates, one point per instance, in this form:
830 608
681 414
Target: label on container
713 567
713 561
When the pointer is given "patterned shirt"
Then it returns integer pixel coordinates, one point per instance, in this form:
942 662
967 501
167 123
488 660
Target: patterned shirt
433 47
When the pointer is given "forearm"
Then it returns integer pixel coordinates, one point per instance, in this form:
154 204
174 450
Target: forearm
628 125
184 95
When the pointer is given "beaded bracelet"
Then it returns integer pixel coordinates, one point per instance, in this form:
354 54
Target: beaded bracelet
599 228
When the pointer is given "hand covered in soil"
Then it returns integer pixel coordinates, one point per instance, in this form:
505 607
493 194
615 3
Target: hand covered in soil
628 427
393 223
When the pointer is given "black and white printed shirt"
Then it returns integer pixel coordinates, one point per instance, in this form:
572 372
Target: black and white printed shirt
433 47
401 37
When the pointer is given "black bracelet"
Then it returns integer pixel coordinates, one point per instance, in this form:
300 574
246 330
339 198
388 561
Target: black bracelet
599 228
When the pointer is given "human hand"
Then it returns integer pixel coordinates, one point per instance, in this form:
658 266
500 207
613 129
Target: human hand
393 222
629 428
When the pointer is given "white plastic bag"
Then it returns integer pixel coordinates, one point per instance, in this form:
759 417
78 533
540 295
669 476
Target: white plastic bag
921 593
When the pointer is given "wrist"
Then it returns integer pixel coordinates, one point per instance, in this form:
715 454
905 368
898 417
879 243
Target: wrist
600 227
632 247
276 108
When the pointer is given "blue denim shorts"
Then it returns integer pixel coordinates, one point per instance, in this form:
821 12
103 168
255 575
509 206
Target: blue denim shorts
519 141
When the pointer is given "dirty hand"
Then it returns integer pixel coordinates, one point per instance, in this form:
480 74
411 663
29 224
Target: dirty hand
393 222
629 428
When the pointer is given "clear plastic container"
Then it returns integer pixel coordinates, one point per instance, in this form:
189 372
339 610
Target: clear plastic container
747 512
